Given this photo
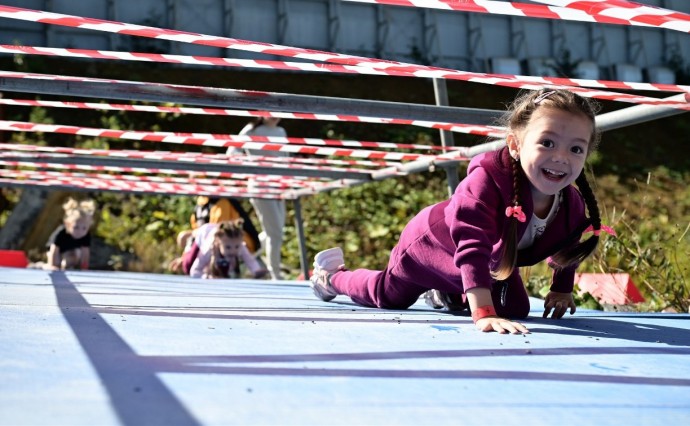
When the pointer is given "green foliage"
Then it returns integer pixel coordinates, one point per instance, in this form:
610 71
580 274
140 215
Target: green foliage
143 226
586 300
653 243
652 222
8 199
365 220
537 280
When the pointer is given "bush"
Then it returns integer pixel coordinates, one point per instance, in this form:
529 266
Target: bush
653 243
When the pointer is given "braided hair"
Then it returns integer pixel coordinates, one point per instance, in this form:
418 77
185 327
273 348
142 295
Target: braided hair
516 118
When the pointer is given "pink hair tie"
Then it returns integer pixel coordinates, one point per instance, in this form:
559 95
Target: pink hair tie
516 212
604 228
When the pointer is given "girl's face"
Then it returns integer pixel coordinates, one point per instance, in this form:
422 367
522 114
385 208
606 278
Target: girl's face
229 247
552 148
78 228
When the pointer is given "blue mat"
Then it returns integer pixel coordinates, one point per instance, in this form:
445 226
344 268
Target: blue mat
104 348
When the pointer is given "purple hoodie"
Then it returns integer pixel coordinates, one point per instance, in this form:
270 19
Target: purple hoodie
457 242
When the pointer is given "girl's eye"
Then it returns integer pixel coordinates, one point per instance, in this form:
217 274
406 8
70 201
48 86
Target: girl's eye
577 150
548 143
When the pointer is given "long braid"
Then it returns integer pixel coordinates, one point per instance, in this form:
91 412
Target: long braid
582 250
509 253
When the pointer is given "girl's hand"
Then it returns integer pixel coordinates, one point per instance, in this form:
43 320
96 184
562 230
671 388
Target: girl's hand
500 325
175 265
559 302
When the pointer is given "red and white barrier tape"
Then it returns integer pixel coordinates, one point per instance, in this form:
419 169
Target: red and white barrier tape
127 173
194 157
135 187
240 142
472 129
508 80
125 178
632 12
192 38
621 97
603 12
273 49
237 161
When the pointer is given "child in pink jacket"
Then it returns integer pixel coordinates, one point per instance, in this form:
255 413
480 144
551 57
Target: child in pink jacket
222 251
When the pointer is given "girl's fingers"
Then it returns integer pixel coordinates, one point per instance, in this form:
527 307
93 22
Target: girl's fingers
499 328
559 309
521 328
501 325
506 326
547 311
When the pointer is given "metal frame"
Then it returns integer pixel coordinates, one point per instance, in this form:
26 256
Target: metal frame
229 98
242 99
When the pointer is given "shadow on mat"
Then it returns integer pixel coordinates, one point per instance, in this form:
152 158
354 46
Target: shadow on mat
138 396
136 393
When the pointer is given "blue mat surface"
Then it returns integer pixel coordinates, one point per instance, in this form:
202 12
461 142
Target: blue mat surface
105 348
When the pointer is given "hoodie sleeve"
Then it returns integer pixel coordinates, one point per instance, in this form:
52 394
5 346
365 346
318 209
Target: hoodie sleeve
563 279
200 264
476 225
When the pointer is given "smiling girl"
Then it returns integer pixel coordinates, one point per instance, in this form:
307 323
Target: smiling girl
516 207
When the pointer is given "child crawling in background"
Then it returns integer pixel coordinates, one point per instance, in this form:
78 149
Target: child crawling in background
69 245
222 250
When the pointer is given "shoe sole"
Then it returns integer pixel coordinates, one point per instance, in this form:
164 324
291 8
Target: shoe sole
320 292
330 259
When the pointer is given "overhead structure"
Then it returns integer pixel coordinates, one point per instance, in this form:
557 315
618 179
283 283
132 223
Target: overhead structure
322 164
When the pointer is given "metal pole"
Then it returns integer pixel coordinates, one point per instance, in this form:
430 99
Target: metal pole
441 95
609 121
242 99
637 114
189 166
301 240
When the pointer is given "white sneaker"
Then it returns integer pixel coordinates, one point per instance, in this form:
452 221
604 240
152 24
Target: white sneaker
440 300
326 263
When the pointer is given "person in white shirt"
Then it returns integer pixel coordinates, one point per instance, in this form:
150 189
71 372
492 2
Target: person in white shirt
271 212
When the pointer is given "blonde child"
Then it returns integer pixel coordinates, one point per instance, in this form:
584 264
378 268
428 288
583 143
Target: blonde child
516 207
222 250
69 245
